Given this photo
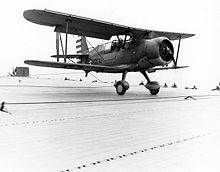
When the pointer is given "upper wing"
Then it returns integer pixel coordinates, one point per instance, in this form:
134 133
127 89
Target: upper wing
76 66
92 28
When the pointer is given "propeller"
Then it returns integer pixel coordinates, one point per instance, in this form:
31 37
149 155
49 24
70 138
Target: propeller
166 51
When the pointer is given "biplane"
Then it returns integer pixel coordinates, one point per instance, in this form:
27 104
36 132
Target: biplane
133 50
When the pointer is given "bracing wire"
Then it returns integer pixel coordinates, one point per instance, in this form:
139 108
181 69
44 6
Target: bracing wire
98 78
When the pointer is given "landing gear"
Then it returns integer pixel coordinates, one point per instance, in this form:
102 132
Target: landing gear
152 86
154 92
122 86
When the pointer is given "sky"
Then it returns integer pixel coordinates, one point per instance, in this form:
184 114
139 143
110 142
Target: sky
22 40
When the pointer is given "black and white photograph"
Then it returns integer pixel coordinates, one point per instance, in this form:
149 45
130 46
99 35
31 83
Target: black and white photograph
109 86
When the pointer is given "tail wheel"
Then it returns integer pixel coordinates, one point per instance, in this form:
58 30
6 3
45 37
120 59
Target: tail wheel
121 87
154 92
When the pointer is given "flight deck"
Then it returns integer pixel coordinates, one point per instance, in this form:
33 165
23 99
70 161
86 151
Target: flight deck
64 126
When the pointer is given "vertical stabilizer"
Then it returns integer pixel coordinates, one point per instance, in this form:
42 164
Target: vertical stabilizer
81 45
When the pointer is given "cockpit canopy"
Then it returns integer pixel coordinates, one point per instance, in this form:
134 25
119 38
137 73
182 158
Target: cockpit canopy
114 45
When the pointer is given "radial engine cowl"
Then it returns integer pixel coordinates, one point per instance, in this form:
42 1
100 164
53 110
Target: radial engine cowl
159 51
166 50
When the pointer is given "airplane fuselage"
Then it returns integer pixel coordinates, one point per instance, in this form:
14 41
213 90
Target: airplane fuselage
143 54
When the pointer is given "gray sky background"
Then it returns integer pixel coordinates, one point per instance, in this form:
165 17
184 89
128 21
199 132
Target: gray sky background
22 40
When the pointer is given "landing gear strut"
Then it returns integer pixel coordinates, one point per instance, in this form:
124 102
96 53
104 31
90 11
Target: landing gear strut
152 86
122 86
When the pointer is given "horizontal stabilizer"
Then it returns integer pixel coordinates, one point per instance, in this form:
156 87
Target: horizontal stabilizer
73 56
165 68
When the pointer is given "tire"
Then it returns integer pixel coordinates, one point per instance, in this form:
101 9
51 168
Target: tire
154 92
121 87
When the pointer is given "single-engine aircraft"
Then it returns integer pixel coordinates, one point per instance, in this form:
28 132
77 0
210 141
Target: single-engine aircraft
140 50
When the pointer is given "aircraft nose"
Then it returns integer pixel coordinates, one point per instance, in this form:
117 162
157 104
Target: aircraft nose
166 50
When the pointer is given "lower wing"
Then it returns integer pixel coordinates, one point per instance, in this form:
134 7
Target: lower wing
77 66
165 68
96 68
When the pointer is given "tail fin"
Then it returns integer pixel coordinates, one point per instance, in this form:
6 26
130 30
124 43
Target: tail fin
81 45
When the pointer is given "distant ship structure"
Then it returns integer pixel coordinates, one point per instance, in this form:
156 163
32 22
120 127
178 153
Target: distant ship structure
20 72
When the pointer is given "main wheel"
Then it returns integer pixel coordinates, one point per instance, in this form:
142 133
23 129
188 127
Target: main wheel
121 87
154 92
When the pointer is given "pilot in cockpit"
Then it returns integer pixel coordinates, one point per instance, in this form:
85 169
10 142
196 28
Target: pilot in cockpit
116 45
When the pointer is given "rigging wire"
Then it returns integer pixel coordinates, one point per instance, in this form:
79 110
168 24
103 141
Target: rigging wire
94 48
99 79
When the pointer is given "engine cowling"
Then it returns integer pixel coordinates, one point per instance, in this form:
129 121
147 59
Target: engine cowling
156 52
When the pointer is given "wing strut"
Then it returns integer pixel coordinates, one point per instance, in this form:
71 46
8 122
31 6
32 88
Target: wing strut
61 42
67 28
58 43
57 46
132 36
177 54
124 41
